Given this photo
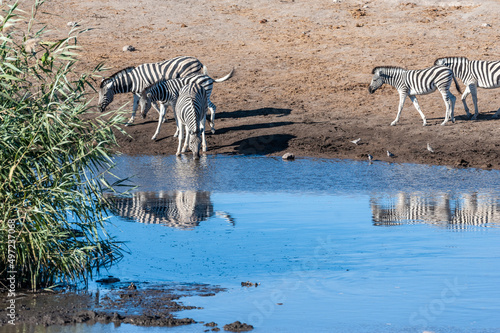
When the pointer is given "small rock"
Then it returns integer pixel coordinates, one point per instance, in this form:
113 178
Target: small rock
132 286
238 326
109 279
72 24
250 284
183 25
288 157
128 48
263 21
486 25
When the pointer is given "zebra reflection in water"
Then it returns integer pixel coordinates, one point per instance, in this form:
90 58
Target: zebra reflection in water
176 209
467 210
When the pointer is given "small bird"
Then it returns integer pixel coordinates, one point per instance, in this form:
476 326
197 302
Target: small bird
356 141
390 154
429 148
370 157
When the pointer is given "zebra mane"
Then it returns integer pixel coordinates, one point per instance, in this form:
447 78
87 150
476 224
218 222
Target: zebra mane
386 67
112 77
454 58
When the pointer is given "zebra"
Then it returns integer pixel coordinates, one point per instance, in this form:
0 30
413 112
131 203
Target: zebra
473 73
175 209
135 79
417 82
166 92
190 113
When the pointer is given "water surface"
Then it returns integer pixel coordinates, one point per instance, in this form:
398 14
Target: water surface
335 245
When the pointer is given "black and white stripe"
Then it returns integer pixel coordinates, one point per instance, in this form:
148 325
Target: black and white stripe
417 82
190 114
473 73
166 93
136 79
177 209
441 209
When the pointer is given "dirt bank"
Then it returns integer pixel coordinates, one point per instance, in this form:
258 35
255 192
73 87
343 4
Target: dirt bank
301 72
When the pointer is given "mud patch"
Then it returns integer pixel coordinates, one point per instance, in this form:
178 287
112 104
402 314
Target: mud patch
146 305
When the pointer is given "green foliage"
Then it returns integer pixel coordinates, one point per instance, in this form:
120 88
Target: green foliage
53 158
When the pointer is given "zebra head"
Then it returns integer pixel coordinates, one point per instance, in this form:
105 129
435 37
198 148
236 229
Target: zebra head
105 94
441 62
145 102
378 80
194 144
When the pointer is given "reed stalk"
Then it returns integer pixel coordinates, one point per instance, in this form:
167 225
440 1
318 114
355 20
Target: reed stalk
55 158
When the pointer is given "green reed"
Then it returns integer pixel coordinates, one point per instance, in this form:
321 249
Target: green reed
54 155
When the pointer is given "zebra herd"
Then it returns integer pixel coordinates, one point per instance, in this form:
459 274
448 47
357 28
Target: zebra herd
183 83
473 73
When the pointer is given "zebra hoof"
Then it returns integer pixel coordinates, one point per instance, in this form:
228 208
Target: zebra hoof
212 131
393 123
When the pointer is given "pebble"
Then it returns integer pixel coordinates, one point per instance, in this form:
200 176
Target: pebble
288 156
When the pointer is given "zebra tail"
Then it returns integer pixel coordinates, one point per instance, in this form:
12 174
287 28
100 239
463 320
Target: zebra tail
456 84
227 77
205 70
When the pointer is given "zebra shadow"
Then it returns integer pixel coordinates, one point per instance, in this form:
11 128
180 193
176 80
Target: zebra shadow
253 113
175 209
482 116
263 144
253 127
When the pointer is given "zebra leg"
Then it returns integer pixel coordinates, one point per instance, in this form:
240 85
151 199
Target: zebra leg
402 98
203 139
134 109
180 128
186 141
211 122
415 103
473 92
449 101
160 120
464 97
155 105
176 123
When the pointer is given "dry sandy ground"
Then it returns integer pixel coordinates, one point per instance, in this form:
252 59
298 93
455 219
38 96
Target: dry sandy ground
302 68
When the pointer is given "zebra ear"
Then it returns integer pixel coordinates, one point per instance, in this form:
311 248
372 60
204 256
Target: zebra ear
148 95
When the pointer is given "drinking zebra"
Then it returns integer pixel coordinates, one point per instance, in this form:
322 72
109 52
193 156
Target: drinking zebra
135 79
473 73
167 91
417 82
190 113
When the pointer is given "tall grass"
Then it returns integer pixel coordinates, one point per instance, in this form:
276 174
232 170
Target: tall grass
53 158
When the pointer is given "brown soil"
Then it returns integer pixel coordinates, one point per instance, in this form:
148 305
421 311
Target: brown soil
302 69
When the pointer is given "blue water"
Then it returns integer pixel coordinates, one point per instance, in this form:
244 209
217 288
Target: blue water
337 246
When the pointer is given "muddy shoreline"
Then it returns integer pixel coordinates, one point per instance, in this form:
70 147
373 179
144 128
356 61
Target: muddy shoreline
140 304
